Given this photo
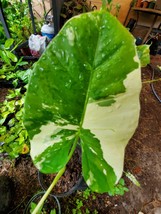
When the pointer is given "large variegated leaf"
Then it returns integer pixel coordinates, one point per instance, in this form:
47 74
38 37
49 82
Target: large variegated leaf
85 86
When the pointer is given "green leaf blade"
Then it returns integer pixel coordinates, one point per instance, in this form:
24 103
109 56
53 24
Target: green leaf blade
99 176
88 79
8 43
11 56
49 145
144 54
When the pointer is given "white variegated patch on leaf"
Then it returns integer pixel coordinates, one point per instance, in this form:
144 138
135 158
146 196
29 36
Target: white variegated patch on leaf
85 86
114 125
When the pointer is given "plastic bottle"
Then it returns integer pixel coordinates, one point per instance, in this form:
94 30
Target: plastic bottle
48 30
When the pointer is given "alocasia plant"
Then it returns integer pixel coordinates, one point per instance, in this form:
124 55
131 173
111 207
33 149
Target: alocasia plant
85 87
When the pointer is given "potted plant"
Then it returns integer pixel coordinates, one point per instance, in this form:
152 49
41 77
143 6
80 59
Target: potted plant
73 8
14 139
12 68
85 88
51 205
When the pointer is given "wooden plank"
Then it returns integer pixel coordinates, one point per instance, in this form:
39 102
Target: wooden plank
147 10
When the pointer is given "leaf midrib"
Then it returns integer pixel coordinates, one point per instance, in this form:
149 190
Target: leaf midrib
91 77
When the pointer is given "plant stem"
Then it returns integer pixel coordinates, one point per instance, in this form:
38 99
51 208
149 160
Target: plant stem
103 5
41 202
151 81
73 148
60 173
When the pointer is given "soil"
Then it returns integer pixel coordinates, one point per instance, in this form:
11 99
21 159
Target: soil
142 159
71 177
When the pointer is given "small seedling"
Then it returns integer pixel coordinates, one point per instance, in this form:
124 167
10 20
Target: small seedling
132 178
41 210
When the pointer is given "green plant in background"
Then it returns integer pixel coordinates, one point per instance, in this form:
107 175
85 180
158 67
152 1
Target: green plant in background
133 3
2 34
72 8
120 188
7 57
86 86
82 197
13 135
10 64
43 9
82 200
18 19
114 8
143 54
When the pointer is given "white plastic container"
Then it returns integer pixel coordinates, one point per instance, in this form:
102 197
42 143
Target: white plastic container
48 30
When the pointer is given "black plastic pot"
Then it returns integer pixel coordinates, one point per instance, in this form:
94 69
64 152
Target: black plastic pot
80 185
9 83
74 163
6 83
131 24
51 203
6 193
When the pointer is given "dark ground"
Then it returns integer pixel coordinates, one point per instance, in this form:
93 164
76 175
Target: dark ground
142 159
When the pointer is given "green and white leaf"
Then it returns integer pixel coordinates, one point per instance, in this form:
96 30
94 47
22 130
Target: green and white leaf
85 86
132 178
144 54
